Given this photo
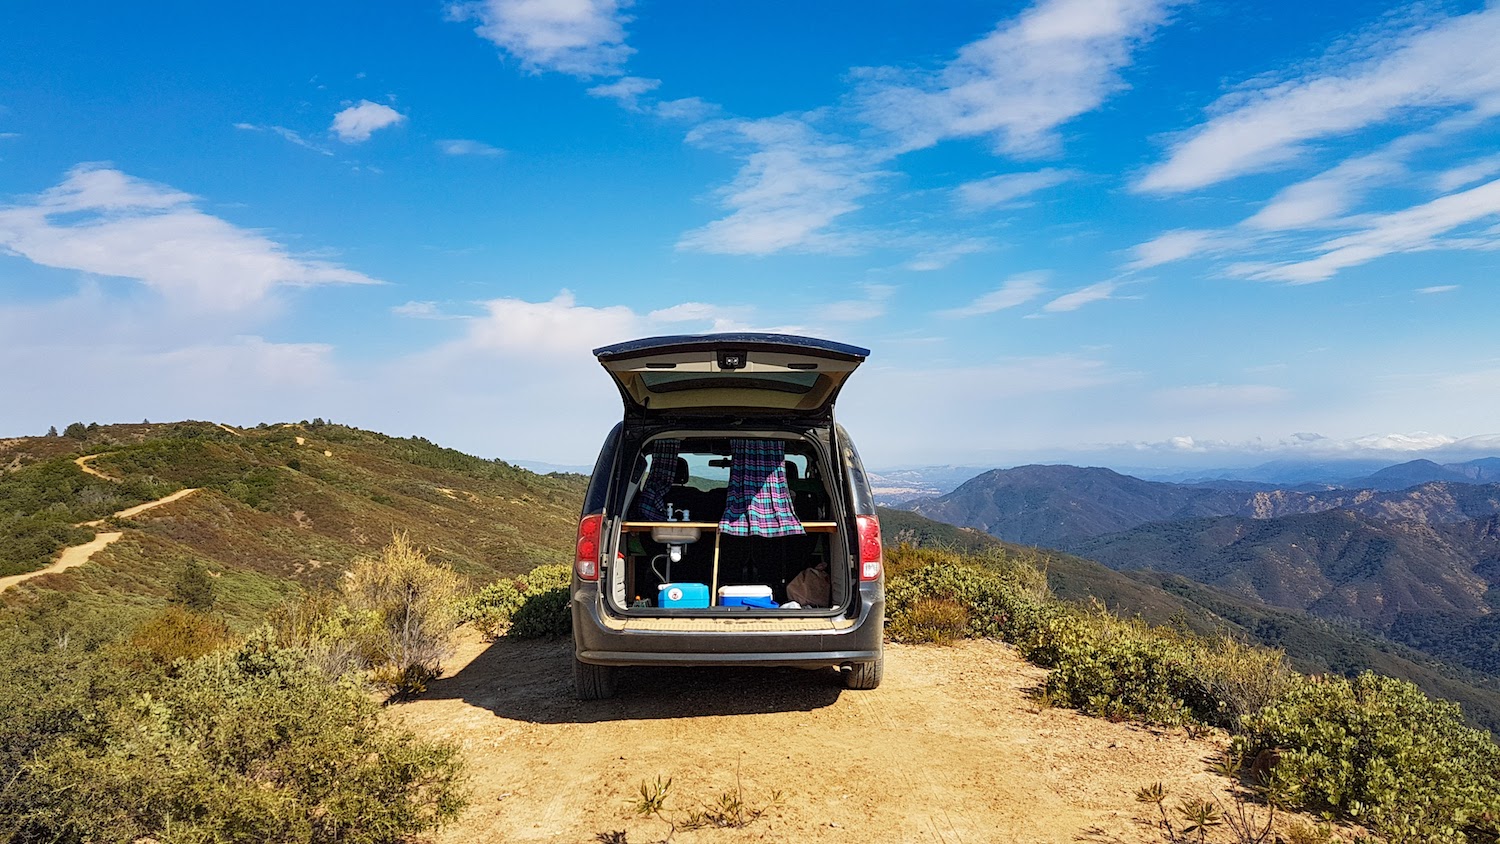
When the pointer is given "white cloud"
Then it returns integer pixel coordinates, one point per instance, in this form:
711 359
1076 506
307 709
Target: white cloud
1467 174
1007 188
1449 64
1017 290
464 146
356 123
871 305
1440 288
793 186
686 312
943 254
422 310
1078 298
1174 245
688 109
99 220
287 135
8 135
1015 86
1409 230
1325 197
537 329
627 90
578 37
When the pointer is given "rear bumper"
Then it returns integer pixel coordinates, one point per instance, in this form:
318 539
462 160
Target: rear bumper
601 643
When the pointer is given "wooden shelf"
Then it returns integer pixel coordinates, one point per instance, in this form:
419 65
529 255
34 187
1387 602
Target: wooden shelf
811 527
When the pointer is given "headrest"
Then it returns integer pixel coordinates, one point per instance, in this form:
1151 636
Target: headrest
682 472
791 472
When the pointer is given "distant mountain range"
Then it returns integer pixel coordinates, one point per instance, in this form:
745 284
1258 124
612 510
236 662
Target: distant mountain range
1411 552
1312 644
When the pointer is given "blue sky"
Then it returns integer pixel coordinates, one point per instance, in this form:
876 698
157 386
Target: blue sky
1127 232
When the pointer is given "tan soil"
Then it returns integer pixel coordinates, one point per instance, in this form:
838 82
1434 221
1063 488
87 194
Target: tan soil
83 463
77 555
949 749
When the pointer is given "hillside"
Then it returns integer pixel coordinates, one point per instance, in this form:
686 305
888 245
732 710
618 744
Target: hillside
279 508
1336 564
1063 506
1440 659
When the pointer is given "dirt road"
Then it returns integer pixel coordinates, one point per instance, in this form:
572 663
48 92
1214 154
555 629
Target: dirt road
949 749
77 555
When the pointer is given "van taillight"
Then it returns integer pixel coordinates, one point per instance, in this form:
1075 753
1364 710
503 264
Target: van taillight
586 558
870 555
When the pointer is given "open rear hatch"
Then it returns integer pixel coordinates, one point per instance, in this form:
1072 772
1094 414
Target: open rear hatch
745 374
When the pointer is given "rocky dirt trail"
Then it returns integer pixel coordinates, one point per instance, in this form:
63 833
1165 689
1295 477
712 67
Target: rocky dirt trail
949 749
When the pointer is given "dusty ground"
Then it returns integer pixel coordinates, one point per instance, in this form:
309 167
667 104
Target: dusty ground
949 749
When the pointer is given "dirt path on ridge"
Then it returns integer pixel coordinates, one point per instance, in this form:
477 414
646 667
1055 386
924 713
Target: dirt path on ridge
83 463
77 555
949 749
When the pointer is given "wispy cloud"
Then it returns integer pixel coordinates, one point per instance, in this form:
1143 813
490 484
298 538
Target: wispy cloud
1017 290
1175 245
1438 288
1414 229
1078 298
464 146
100 220
944 251
627 90
794 184
1017 85
287 135
1467 174
1007 188
577 37
1446 64
869 306
423 310
358 122
1325 197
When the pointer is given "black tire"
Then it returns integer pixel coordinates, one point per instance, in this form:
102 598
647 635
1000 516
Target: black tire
865 675
593 682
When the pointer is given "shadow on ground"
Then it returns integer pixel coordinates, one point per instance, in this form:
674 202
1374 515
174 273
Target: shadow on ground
533 681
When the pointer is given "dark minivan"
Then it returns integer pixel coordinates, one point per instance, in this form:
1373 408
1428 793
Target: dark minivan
728 520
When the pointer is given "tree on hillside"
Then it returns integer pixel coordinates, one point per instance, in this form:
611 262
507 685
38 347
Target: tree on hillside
193 588
52 430
76 430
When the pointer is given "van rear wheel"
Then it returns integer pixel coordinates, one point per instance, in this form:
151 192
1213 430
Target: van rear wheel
865 675
593 682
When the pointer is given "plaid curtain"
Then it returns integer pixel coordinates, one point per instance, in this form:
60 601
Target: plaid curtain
653 500
759 503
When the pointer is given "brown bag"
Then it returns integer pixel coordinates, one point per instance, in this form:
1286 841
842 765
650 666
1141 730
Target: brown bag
810 588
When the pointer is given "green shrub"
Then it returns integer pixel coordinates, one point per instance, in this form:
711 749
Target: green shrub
1123 669
1379 751
936 621
179 633
545 614
542 593
1241 679
251 744
411 604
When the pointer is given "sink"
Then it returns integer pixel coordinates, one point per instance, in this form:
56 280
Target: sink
675 535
